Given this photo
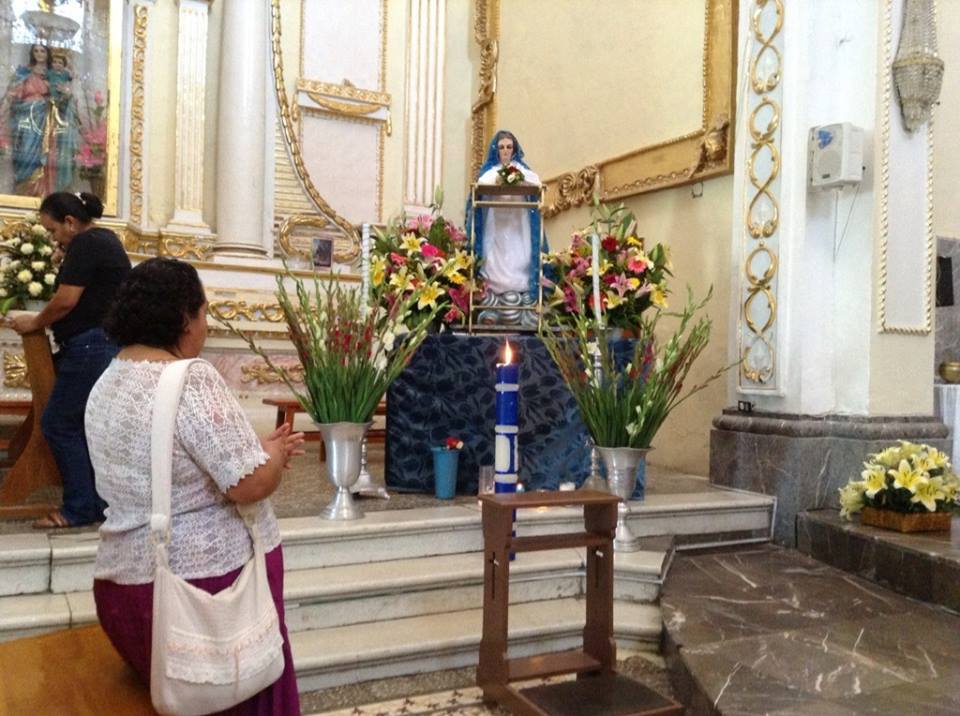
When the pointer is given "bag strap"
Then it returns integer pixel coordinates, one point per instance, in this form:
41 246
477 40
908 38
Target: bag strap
163 426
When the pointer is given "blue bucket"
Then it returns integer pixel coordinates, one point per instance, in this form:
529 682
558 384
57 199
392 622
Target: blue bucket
445 464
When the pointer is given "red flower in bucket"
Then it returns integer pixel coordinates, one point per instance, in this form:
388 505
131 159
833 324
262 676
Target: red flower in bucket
453 444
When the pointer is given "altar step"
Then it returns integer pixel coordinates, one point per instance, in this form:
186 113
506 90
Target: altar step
343 655
61 563
341 596
400 592
922 565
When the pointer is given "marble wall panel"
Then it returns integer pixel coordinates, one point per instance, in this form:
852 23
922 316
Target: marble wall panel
804 460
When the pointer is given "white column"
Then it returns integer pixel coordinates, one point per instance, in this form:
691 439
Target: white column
242 128
191 97
423 128
849 298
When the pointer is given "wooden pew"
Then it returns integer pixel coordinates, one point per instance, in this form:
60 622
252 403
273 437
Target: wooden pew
287 408
35 468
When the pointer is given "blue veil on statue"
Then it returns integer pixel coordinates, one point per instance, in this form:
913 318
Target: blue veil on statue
477 216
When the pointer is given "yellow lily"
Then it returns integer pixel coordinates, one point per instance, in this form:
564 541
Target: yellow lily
401 280
928 491
428 296
410 242
613 299
658 297
378 268
874 480
905 476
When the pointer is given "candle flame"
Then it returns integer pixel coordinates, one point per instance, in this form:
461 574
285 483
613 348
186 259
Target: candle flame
507 353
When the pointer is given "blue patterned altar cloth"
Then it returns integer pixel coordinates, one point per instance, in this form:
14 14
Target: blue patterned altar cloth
448 390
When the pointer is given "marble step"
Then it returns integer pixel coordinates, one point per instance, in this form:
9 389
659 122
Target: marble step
61 563
327 597
345 655
922 565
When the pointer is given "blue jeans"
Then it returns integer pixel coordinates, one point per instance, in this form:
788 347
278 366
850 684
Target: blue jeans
79 362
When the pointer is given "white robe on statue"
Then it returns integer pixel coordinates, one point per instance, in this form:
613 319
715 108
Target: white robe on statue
506 239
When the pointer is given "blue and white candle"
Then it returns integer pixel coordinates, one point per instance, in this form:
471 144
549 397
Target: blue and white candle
506 430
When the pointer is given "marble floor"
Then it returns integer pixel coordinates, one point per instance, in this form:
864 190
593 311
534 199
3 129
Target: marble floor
767 630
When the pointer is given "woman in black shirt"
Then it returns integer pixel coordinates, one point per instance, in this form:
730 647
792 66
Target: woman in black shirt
94 264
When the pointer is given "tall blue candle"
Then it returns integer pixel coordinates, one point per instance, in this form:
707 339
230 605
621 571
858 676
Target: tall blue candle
505 438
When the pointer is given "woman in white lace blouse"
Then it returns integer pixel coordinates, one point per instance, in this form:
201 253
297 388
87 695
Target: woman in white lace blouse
159 315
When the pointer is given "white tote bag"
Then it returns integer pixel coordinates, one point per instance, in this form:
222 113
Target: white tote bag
210 652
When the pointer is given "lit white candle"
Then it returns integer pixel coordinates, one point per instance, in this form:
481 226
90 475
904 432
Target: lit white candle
596 280
365 267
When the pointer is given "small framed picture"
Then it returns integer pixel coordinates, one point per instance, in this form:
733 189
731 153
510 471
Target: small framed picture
322 253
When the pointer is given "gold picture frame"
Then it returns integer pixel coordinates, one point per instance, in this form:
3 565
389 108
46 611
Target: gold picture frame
111 116
689 158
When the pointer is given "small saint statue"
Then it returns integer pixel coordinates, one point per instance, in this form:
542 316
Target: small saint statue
507 240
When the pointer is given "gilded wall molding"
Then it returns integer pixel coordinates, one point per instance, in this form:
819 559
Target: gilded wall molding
15 373
688 158
185 246
343 91
292 141
884 326
757 318
486 33
137 97
262 374
236 310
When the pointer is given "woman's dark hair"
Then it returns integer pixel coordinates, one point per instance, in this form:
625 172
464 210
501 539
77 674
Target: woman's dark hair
154 303
84 207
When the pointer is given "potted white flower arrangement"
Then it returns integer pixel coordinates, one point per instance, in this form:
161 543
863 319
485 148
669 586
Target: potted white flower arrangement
27 270
907 487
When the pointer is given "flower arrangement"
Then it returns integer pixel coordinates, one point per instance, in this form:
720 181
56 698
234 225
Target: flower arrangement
625 402
426 255
27 270
632 279
904 478
510 175
349 355
452 443
92 152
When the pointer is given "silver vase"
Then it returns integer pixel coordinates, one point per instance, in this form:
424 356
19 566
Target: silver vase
622 464
343 442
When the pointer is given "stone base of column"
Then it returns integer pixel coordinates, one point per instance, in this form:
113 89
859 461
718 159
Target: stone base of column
803 460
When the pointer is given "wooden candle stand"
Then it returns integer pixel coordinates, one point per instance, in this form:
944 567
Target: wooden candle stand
598 690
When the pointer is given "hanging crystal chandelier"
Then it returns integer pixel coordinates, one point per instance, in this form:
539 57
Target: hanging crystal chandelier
917 70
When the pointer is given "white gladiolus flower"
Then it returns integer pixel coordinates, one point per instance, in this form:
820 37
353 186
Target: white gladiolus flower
25 276
38 265
35 288
31 217
38 230
14 242
26 249
45 250
15 264
49 279
3 293
4 262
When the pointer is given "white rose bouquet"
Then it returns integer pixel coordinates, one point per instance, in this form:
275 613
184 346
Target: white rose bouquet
27 271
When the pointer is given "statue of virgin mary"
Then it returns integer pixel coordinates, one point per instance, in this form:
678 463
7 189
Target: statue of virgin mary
507 240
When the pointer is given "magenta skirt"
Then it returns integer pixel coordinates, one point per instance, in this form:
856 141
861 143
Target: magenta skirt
126 615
